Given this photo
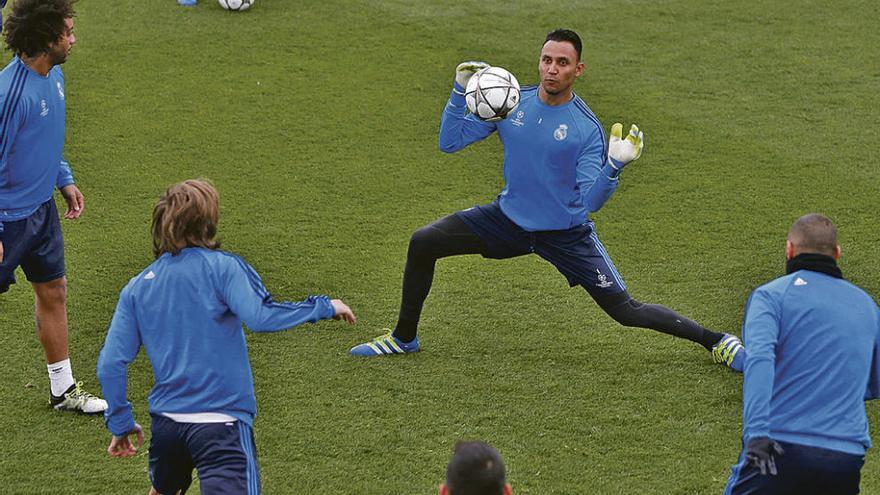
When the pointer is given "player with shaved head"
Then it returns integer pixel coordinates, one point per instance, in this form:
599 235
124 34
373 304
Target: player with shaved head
814 357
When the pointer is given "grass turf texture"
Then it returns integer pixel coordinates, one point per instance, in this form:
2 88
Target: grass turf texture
318 123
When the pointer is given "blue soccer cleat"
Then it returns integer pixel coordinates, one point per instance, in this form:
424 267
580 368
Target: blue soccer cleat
187 3
384 345
730 352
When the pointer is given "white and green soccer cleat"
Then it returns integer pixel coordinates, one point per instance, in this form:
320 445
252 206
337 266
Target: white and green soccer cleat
730 352
78 400
385 345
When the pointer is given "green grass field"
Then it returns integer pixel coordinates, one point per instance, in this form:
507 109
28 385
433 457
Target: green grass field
318 121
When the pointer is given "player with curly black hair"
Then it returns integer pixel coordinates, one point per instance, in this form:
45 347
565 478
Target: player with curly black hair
32 127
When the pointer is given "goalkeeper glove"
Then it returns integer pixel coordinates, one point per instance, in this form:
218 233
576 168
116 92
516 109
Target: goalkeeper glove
622 151
465 70
761 452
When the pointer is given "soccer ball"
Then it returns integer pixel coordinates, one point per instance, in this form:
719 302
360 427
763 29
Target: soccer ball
492 93
236 4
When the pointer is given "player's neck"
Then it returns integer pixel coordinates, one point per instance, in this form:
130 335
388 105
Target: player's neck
555 99
39 64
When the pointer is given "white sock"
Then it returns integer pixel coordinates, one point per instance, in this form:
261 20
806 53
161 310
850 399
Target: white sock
60 377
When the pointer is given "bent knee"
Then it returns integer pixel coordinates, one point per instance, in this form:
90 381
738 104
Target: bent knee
423 241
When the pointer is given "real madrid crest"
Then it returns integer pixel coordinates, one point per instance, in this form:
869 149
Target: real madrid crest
561 132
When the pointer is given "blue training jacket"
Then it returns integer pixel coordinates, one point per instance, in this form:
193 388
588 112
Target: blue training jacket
187 312
556 167
813 342
32 120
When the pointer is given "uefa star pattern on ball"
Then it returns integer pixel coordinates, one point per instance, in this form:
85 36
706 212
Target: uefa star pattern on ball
236 5
492 93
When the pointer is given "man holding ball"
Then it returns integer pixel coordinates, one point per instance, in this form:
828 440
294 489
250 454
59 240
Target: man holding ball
558 168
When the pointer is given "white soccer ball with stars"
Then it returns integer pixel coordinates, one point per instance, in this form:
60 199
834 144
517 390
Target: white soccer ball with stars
236 5
492 93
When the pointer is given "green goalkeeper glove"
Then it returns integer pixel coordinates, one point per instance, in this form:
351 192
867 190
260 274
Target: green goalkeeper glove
465 70
622 151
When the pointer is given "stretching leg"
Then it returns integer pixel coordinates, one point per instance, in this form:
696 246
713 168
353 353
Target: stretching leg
631 313
449 236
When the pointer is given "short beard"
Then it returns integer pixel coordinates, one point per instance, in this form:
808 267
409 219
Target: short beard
57 59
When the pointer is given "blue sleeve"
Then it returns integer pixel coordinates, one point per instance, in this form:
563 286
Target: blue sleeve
594 175
9 132
121 346
247 297
874 380
65 175
458 130
760 334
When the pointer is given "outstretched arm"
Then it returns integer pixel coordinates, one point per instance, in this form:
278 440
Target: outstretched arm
244 293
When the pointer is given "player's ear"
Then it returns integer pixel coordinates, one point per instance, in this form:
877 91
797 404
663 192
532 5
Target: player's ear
443 489
508 489
837 252
789 250
579 69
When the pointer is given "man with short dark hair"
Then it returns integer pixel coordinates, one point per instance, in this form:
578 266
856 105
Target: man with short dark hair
475 469
32 126
558 168
814 358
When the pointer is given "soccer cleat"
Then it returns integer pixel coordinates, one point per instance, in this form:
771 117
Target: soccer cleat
730 352
385 344
187 3
77 399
